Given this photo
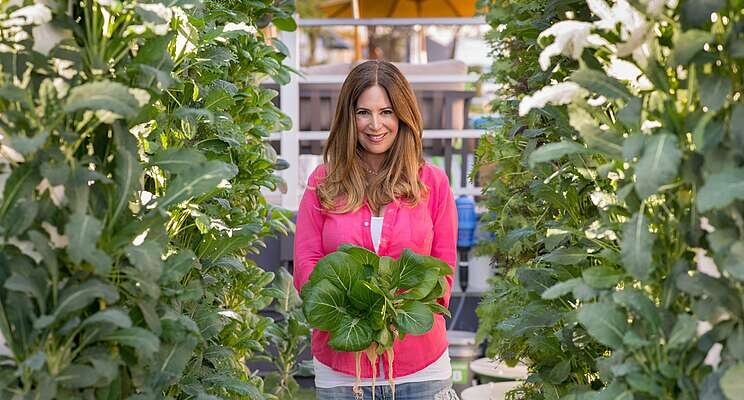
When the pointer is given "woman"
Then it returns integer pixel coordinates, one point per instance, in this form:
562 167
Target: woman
376 191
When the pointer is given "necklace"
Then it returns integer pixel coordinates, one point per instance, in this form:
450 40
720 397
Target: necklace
369 169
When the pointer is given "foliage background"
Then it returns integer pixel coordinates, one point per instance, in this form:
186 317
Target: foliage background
132 162
616 280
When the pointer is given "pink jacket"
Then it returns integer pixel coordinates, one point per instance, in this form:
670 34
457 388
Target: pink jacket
429 228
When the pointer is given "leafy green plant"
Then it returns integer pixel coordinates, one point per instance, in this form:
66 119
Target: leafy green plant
654 104
366 301
124 222
289 337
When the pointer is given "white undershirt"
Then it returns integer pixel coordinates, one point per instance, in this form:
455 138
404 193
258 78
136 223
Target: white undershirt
375 228
325 377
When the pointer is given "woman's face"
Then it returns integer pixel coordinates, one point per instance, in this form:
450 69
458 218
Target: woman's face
376 122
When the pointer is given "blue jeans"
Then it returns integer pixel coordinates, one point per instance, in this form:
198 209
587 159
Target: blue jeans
429 390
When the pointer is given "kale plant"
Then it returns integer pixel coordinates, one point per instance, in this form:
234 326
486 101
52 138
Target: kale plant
366 301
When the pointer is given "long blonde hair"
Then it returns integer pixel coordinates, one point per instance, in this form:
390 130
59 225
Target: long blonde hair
345 187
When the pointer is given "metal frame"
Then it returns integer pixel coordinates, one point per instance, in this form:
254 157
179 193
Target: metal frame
391 21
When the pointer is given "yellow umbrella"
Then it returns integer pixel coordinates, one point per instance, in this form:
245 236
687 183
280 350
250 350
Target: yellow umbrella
399 8
363 9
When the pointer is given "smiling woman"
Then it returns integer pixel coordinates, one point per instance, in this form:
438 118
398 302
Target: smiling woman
376 125
375 191
374 149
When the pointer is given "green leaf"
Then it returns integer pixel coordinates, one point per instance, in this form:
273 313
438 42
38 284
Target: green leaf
614 391
128 169
599 83
697 13
285 24
565 256
633 145
361 255
76 297
608 142
630 115
324 305
600 277
714 90
560 289
438 308
146 258
138 338
412 267
605 322
734 261
682 332
559 372
28 285
414 318
423 287
634 300
721 189
555 151
688 44
77 376
103 95
351 334
177 160
658 164
83 232
197 181
289 299
113 316
340 269
644 383
177 265
362 295
635 247
218 100
732 382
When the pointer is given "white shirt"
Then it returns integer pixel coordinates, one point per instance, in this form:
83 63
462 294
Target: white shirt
326 377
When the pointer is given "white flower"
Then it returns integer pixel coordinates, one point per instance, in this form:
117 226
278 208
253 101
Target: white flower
706 226
648 125
142 96
601 199
46 36
36 14
600 9
634 28
703 327
64 68
627 71
571 37
560 93
9 153
140 238
56 193
654 7
185 40
597 101
705 264
26 247
230 314
4 350
713 358
163 12
597 231
623 70
231 27
61 86
58 241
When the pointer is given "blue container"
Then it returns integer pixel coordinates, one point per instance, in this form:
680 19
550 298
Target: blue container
466 221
